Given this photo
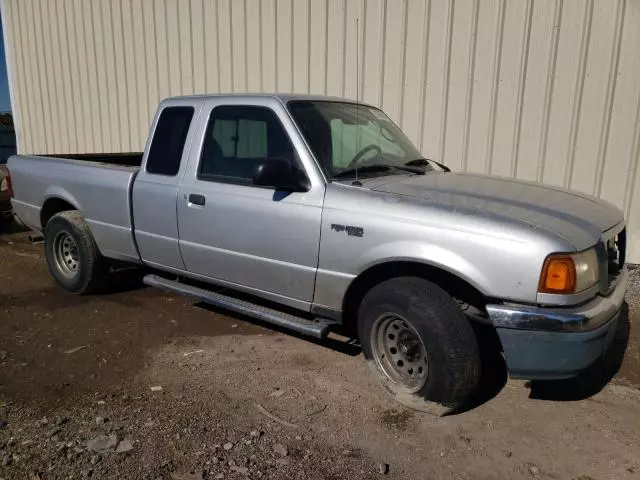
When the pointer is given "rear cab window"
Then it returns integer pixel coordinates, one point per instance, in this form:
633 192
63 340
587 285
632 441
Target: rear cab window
168 140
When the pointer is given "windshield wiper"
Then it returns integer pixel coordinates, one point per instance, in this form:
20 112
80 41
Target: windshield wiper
378 167
366 169
425 162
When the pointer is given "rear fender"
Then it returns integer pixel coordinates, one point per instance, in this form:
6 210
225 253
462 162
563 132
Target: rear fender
61 194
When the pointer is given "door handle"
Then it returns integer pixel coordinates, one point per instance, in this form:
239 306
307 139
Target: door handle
197 199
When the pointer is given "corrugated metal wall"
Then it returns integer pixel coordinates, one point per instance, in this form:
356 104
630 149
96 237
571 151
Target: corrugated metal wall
544 90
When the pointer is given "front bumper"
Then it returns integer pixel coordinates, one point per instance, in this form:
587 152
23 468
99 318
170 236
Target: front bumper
553 343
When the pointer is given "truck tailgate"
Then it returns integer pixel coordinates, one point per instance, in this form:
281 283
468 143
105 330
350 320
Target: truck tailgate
100 191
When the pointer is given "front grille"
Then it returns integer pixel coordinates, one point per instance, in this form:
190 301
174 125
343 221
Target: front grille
616 252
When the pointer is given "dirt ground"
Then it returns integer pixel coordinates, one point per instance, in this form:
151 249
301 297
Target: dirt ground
242 400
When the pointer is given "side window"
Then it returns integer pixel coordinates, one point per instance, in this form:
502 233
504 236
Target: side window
168 140
238 139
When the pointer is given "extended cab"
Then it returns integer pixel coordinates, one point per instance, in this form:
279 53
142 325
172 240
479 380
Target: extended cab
316 214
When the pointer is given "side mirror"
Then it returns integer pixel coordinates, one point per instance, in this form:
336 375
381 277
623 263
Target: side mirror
278 173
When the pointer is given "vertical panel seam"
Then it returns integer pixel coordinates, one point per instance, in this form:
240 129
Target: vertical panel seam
233 70
79 91
277 42
127 128
48 78
495 85
165 14
473 43
326 45
633 163
33 61
117 90
179 30
291 57
579 90
205 70
344 48
82 133
548 91
109 105
95 59
309 46
47 116
132 106
53 103
246 48
612 82
426 33
260 56
66 31
146 67
193 62
446 76
23 48
92 120
403 72
218 69
522 83
155 43
63 93
33 67
383 47
363 48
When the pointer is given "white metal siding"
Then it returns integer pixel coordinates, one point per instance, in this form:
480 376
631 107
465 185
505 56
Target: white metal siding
544 90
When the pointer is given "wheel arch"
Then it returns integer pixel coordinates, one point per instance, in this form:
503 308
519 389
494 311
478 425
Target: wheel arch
453 283
54 203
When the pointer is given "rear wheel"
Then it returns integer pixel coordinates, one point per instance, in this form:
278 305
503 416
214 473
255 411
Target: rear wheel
419 344
72 254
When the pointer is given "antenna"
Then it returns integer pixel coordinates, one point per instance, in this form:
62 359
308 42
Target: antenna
357 182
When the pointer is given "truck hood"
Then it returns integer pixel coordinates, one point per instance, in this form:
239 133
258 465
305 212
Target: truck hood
578 218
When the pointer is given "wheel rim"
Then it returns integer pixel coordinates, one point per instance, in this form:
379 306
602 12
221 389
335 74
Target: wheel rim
399 352
65 252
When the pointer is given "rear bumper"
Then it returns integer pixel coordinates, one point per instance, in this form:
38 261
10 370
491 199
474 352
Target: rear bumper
542 343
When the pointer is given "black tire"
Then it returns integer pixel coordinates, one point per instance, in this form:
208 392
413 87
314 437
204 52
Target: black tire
449 344
91 269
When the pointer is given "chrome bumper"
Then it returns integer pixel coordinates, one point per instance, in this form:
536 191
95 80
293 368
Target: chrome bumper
583 318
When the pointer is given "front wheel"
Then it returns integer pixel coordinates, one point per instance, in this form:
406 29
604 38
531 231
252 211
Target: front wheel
72 254
419 344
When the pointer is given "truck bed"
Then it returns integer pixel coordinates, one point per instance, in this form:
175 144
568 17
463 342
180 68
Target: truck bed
128 159
97 185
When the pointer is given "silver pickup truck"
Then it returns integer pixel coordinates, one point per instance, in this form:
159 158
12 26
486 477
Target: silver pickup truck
318 214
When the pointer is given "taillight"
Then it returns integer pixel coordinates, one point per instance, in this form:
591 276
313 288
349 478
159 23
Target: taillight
9 185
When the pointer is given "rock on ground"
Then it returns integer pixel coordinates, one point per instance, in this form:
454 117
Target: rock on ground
102 443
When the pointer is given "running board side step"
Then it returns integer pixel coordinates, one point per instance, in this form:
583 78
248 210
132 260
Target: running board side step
318 328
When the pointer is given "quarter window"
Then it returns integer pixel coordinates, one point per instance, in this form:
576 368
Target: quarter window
168 141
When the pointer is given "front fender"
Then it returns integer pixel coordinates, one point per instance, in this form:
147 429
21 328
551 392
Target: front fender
428 254
332 285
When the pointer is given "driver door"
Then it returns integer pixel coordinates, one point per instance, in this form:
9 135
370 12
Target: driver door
232 231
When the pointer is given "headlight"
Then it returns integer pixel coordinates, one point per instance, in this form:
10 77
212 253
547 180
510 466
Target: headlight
569 273
4 185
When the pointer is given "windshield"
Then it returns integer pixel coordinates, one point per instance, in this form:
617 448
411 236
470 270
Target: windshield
345 136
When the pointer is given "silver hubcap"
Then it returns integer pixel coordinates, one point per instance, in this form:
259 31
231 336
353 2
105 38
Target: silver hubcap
399 352
66 255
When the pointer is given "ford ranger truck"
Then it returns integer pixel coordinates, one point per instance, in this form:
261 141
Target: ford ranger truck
318 214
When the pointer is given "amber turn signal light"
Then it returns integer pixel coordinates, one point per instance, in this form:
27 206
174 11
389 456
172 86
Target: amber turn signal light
558 275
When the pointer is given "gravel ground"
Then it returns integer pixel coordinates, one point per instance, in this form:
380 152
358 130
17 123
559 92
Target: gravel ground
139 384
